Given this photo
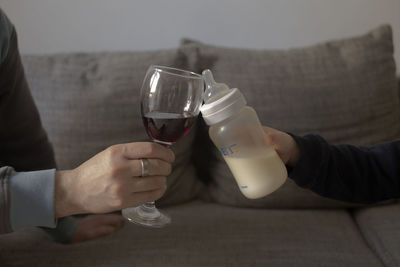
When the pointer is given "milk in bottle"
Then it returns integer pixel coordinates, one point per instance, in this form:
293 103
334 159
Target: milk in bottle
236 131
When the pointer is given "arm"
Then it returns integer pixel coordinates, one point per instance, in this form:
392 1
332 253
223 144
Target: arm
348 173
25 146
32 196
109 181
342 172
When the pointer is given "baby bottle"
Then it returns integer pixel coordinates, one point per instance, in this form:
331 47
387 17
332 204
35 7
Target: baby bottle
236 131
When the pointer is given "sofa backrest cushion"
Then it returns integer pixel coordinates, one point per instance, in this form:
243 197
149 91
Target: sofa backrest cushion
89 101
344 90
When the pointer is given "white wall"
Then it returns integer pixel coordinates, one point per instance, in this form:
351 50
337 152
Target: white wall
47 26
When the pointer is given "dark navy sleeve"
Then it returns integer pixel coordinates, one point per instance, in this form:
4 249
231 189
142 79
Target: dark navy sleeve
348 173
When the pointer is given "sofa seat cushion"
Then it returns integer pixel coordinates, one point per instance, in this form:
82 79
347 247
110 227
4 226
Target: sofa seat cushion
89 101
344 90
205 234
381 228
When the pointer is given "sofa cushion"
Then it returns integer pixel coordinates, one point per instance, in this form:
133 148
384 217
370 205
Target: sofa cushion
204 234
344 90
89 101
381 229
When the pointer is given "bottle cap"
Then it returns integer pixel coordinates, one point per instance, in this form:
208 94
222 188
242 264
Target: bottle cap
220 101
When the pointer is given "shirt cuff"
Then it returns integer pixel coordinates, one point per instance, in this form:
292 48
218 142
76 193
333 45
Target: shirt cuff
32 199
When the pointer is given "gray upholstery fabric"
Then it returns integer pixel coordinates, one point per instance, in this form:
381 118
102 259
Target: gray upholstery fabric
88 102
205 234
381 228
344 90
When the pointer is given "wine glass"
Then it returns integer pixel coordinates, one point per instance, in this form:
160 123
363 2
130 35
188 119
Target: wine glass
170 102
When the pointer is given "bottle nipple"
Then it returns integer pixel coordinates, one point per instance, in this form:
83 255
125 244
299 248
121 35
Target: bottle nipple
214 90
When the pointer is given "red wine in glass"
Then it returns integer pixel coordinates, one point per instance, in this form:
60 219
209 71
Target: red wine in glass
167 128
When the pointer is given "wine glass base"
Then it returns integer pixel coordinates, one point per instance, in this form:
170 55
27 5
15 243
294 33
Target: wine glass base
141 216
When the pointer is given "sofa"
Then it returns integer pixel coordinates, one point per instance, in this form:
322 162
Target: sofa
345 90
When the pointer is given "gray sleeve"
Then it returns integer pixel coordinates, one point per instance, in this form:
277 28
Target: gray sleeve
5 226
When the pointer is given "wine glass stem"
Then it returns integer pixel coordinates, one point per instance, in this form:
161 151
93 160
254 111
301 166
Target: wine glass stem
149 205
148 211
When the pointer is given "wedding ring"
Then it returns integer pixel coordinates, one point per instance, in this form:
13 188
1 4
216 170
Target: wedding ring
145 167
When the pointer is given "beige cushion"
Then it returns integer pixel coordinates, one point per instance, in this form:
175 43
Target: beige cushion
344 90
89 101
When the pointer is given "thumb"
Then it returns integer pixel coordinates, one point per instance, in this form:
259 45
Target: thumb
270 137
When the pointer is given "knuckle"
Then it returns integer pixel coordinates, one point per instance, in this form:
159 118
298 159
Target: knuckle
114 163
116 191
149 148
270 134
269 138
115 171
113 151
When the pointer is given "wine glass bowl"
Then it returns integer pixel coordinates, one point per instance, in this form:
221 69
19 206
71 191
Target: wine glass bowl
170 102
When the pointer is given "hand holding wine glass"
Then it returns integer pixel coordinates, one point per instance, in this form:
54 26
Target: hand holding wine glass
111 180
170 102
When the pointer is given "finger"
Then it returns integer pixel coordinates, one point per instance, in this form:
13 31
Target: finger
140 198
268 140
267 129
271 131
270 137
148 150
155 167
144 184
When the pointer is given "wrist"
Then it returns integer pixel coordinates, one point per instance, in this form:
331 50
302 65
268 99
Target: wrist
65 197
